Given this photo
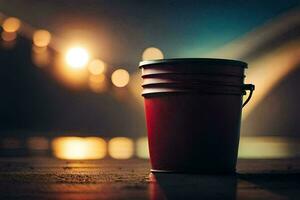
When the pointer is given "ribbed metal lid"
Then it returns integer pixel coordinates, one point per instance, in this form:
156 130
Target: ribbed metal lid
204 61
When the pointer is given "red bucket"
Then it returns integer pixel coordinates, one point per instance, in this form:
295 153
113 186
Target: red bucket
194 127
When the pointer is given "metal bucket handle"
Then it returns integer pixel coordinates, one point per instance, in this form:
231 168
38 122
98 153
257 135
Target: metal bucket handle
249 87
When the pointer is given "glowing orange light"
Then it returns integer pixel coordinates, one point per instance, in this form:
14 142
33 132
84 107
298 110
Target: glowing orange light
8 36
96 67
120 78
77 57
79 148
41 38
152 53
97 78
11 24
142 150
75 78
120 148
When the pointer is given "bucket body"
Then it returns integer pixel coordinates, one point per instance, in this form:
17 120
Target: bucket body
190 132
193 114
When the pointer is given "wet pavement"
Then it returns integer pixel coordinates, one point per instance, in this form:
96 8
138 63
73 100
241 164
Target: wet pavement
50 178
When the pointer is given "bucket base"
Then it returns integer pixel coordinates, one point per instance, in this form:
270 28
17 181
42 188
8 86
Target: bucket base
192 172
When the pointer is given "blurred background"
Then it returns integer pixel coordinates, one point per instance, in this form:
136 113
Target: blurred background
71 85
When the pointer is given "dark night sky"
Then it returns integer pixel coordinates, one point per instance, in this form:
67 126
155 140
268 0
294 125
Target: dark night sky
118 31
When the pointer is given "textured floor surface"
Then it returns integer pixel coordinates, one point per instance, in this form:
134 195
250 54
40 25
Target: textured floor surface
49 178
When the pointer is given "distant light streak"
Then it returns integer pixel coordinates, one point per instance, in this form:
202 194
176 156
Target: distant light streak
11 24
11 143
264 147
152 53
120 78
268 68
77 57
41 38
79 148
120 148
38 143
96 67
272 67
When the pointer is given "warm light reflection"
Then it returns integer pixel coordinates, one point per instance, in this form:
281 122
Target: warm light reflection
136 89
77 57
120 148
41 38
11 24
8 36
79 148
97 83
142 150
152 53
38 143
38 50
40 56
120 78
96 67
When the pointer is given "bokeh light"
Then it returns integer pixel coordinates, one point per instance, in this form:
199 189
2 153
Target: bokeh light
142 149
77 57
120 78
97 83
8 36
96 67
11 24
73 78
79 148
41 38
152 53
120 148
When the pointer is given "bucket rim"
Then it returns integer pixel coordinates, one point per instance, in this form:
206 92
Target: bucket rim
190 92
194 74
219 61
193 84
208 89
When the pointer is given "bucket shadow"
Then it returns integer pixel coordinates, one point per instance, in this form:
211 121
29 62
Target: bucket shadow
286 185
192 186
282 185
